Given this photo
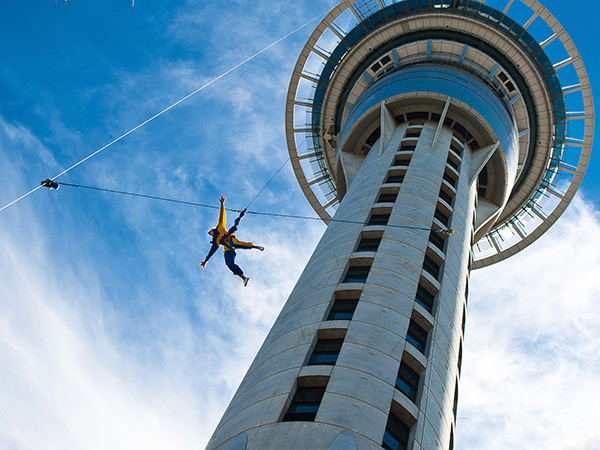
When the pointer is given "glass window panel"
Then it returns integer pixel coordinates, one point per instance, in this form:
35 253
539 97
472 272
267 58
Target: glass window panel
425 298
417 336
342 309
326 351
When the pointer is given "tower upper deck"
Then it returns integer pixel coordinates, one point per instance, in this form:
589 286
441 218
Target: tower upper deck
517 64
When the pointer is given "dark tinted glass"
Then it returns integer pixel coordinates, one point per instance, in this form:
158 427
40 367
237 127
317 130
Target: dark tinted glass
446 197
368 245
396 434
424 298
342 310
378 219
449 179
326 351
443 218
357 274
408 381
305 404
394 179
417 336
401 162
437 240
431 267
452 163
387 198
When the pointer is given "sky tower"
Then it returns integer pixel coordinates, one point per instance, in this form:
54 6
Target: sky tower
404 118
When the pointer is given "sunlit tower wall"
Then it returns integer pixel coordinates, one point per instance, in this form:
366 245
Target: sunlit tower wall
403 117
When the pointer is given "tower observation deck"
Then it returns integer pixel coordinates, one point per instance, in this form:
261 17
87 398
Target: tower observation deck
403 118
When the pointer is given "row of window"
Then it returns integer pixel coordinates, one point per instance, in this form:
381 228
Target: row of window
306 400
409 377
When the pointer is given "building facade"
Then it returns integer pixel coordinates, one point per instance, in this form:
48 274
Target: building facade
433 137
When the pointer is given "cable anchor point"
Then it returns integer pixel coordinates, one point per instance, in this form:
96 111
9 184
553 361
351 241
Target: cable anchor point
50 184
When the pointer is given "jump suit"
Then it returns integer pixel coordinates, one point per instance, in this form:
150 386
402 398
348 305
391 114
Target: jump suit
229 242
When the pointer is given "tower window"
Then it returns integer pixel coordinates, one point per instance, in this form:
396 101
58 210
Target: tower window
418 117
425 298
460 353
387 197
450 179
407 381
407 147
455 403
395 178
326 351
305 404
378 219
417 336
443 218
452 163
446 197
413 133
396 434
437 240
401 162
368 245
455 148
357 274
431 267
343 309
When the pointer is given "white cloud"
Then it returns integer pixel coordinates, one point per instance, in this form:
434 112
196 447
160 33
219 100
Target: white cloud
19 144
532 355
150 357
81 370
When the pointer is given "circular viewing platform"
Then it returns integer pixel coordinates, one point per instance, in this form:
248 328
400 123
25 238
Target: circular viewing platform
531 71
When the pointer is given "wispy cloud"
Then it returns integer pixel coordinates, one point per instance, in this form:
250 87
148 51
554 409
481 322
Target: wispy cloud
531 364
84 370
110 334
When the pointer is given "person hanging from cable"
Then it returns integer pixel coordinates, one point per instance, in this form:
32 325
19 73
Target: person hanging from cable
229 242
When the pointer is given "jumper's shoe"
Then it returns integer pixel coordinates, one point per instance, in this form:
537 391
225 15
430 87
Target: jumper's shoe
246 281
258 247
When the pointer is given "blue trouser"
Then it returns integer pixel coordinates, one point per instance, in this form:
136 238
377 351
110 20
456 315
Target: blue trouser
230 262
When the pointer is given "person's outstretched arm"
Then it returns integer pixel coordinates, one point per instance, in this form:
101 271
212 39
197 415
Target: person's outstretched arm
222 216
211 252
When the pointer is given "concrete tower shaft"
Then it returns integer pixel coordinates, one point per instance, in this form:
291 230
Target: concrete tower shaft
375 318
402 119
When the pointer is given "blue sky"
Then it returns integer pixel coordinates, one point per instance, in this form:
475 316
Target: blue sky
110 334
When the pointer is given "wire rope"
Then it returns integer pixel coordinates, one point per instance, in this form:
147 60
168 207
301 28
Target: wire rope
258 213
268 182
204 86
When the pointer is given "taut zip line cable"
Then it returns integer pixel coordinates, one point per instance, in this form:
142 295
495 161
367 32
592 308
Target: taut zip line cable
258 213
268 182
167 108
